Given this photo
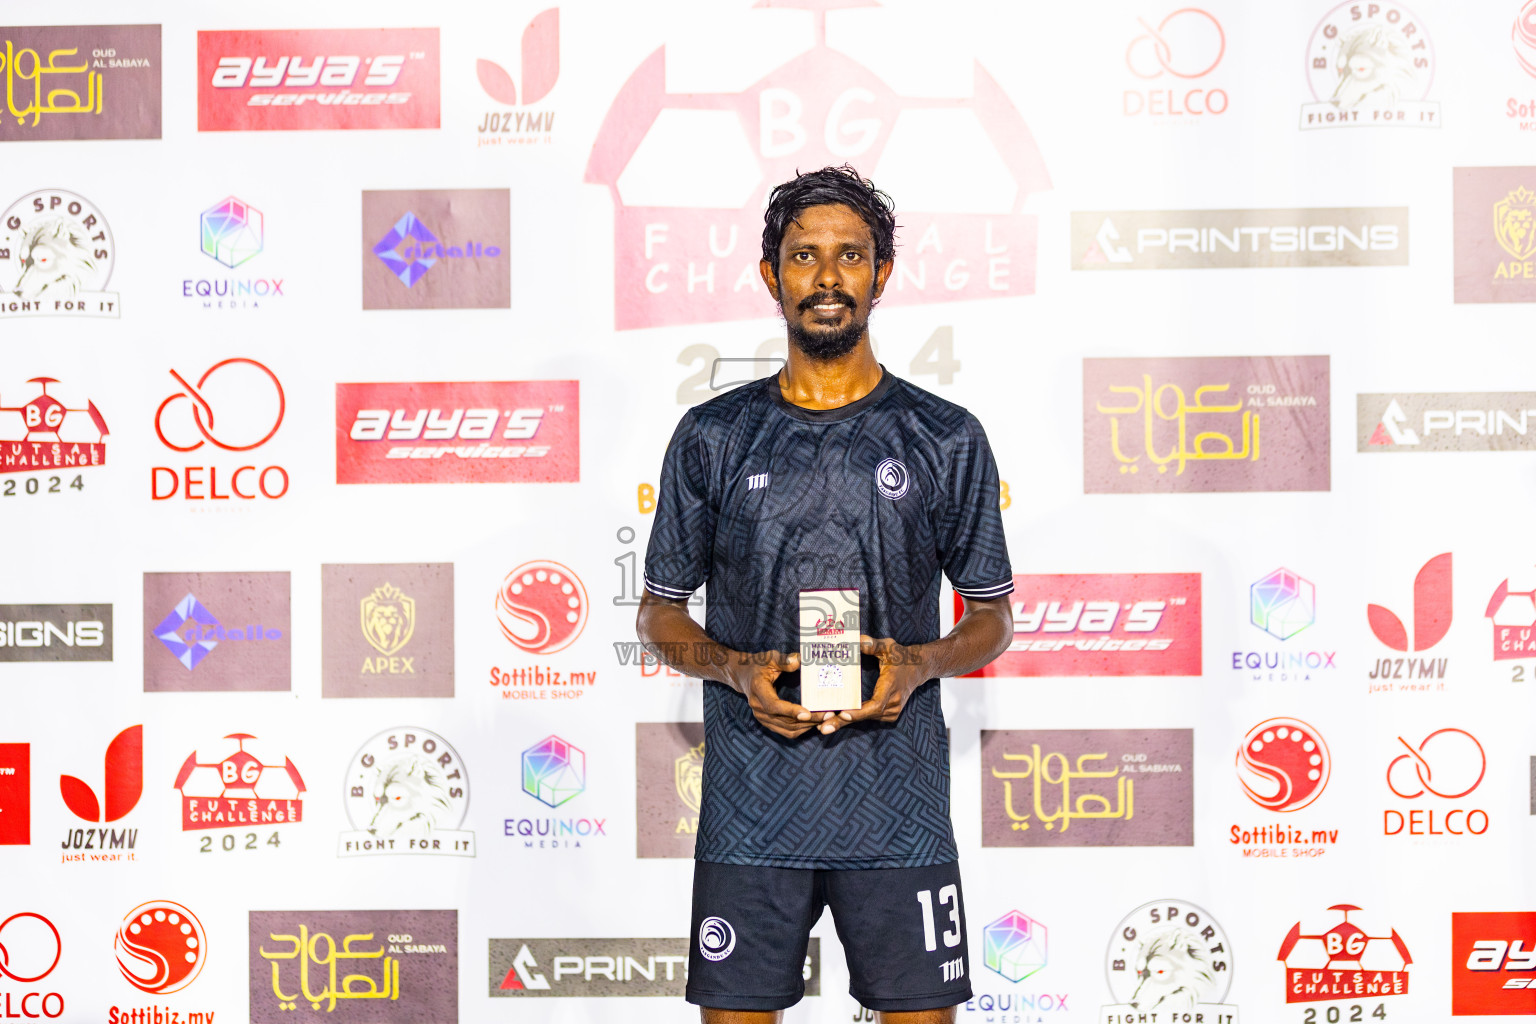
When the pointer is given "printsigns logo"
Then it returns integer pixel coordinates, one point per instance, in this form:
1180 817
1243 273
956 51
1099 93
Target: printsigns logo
1446 422
1431 610
542 607
1016 945
1100 787
669 783
1205 239
1370 64
1102 624
123 781
1343 962
1514 621
238 790
554 771
540 71
680 226
56 254
1187 44
472 432
409 959
48 438
1167 958
283 80
1493 964
407 792
1283 764
470 235
55 632
544 967
1205 424
1495 233
217 631
97 82
387 630
161 947
15 796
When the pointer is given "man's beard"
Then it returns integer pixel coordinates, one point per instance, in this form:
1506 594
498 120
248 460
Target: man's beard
826 344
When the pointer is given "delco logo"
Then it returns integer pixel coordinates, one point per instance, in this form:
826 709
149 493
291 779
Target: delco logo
457 433
1493 964
1102 624
301 79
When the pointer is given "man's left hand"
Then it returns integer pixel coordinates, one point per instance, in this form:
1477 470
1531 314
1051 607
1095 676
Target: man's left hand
902 670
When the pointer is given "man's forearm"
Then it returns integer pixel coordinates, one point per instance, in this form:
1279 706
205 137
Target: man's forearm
671 635
982 633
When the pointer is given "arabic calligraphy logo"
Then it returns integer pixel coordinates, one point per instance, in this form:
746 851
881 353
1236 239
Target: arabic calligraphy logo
307 950
122 785
27 942
251 404
688 776
1431 609
1283 764
1169 955
11 64
1392 428
1524 36
554 771
542 607
389 619
1458 754
1015 945
1089 805
1188 43
717 939
1283 604
1514 223
59 246
541 63
231 231
161 947
1151 404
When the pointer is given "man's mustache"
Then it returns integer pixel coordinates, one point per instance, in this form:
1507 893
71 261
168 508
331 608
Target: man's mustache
825 299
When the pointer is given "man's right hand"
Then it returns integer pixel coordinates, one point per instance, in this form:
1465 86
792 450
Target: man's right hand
754 676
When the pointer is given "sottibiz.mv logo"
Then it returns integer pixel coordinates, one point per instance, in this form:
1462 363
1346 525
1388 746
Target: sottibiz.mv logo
480 432
1431 621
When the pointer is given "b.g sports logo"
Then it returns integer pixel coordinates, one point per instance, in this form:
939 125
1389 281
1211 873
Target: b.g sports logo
317 78
481 432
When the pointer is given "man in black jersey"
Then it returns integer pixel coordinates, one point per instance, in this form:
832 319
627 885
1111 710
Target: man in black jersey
831 474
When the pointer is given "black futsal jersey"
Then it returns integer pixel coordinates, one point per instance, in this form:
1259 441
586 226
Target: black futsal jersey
760 499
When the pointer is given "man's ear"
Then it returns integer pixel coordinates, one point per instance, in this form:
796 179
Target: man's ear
882 274
770 278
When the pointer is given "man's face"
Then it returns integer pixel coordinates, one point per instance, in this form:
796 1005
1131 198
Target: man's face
826 280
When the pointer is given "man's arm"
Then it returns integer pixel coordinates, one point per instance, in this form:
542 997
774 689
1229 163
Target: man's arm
673 637
982 633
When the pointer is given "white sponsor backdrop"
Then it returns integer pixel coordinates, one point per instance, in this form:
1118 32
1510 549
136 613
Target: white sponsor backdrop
1062 66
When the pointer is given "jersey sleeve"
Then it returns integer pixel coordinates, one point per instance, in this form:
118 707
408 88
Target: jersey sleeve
972 547
677 558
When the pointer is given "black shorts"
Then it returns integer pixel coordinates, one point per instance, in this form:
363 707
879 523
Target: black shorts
902 929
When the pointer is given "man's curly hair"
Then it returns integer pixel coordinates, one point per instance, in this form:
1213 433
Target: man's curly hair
828 187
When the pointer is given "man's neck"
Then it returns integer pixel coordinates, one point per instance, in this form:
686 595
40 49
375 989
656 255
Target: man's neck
832 383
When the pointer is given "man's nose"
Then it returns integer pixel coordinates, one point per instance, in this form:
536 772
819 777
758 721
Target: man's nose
829 276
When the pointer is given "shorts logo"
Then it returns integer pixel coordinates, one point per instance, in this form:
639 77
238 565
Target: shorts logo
161 947
892 479
1283 764
717 939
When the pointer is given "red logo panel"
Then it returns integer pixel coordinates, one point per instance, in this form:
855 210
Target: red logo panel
317 78
15 794
1106 624
455 433
1493 964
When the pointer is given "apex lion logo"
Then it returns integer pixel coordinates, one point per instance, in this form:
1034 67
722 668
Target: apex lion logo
411 797
1174 973
388 618
688 774
56 259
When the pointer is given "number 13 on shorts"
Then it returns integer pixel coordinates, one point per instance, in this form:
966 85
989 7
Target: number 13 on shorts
949 896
